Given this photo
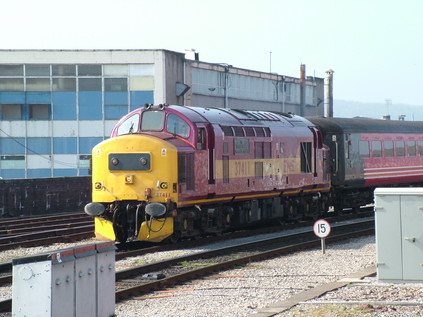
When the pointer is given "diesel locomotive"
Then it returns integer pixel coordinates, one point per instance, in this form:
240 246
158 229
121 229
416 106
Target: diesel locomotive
172 172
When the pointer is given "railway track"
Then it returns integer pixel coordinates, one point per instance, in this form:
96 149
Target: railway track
139 249
44 230
134 281
137 281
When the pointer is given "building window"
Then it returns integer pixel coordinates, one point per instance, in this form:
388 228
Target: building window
89 84
63 70
11 70
115 84
39 111
11 112
64 84
11 84
38 84
89 70
12 162
37 70
115 70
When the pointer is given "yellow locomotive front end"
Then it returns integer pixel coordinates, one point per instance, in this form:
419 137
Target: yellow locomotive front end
134 180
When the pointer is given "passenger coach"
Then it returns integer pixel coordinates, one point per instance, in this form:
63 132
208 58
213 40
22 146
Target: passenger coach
366 153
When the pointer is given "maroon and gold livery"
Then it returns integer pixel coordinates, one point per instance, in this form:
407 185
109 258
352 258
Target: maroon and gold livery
169 172
173 171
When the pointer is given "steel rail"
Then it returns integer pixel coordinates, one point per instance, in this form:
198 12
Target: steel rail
186 276
312 241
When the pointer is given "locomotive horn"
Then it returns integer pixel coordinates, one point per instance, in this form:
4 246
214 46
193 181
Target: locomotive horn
94 209
155 210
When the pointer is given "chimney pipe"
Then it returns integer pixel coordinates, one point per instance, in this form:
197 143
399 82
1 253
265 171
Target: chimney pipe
329 93
302 89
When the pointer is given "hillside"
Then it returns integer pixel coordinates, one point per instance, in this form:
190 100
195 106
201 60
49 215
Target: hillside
349 109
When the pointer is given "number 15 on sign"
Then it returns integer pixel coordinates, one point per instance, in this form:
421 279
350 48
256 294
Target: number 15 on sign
321 229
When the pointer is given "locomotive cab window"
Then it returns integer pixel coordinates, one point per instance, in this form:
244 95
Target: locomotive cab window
130 125
177 126
152 120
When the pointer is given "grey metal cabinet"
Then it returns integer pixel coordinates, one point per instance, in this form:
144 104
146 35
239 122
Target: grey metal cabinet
399 234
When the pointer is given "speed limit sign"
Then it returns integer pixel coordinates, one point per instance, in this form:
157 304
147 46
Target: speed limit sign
321 228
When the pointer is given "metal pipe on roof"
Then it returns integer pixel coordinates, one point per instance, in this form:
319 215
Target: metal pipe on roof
302 89
329 94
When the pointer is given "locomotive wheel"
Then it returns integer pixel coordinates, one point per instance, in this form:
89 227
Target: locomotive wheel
174 238
120 225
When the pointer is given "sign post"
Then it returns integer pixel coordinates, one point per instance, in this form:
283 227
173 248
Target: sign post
321 229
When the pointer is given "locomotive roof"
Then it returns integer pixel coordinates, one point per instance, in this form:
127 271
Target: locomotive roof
238 117
342 125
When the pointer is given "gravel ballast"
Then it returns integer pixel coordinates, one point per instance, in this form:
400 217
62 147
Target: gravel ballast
244 291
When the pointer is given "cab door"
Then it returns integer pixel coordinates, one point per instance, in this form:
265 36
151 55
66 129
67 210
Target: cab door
205 141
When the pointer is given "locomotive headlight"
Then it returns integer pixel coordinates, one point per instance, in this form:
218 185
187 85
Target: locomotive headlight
163 185
97 185
143 161
115 161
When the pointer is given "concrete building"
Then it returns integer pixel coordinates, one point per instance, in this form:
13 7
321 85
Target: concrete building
55 105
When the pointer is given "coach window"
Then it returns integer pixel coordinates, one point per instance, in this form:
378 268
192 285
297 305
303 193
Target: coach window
388 148
420 147
411 148
177 126
377 148
364 149
400 146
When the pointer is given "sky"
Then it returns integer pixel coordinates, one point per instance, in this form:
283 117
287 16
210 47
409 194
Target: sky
374 47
